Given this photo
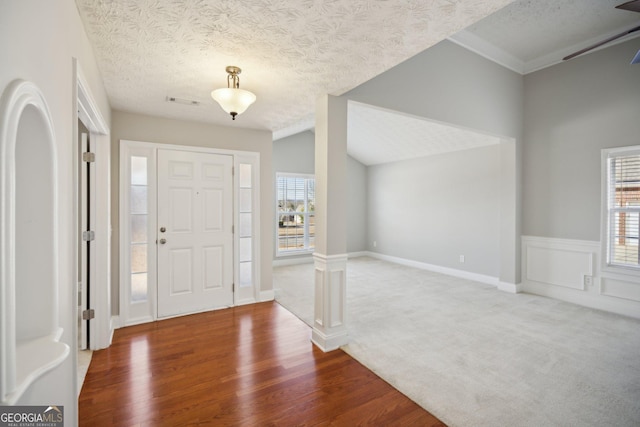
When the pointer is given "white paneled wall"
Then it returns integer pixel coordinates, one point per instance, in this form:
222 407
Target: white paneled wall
570 270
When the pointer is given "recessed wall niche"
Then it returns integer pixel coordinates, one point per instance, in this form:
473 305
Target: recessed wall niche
29 324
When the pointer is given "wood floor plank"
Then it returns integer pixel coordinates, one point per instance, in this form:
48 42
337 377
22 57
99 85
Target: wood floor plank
252 365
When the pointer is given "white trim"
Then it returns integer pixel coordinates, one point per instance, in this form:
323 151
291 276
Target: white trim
86 110
269 295
24 359
612 270
281 262
292 252
482 278
330 311
480 46
357 254
576 261
246 295
141 312
512 288
240 297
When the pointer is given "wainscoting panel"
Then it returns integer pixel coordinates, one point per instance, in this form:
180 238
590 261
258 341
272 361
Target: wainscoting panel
558 265
569 270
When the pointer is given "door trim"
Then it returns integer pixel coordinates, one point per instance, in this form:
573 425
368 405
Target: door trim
86 110
241 296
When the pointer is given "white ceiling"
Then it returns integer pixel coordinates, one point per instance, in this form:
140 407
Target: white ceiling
291 51
528 35
371 129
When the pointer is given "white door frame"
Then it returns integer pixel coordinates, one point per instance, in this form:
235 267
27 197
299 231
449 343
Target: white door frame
86 110
243 294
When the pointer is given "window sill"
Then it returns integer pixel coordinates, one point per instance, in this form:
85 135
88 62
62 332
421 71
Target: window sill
619 272
294 253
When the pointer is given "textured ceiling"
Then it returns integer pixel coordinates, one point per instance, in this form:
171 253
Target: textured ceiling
372 128
528 35
290 51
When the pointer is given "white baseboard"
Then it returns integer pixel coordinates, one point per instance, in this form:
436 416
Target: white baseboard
115 324
269 295
512 288
489 280
282 262
358 254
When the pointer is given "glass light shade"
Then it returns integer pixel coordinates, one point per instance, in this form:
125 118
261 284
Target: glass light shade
233 100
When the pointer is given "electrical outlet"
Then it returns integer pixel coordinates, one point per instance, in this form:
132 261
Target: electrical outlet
588 280
462 258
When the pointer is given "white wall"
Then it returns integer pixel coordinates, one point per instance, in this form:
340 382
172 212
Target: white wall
138 127
451 84
38 40
434 209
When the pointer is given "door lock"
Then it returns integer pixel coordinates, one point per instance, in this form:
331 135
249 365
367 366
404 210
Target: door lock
163 241
163 229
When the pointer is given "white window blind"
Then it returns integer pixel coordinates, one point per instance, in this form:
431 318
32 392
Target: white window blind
623 201
295 213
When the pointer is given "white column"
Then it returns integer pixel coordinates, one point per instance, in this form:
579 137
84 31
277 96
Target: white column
330 257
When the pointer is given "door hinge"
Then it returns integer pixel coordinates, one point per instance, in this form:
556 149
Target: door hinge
89 157
88 314
88 235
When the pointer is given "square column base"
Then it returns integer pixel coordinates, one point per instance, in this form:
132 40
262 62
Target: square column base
329 324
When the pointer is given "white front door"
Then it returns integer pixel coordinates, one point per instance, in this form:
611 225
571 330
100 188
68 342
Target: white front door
194 232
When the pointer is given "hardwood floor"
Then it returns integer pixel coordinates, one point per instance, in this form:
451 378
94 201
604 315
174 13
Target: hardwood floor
247 366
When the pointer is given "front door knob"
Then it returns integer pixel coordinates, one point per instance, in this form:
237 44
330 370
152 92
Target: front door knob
163 241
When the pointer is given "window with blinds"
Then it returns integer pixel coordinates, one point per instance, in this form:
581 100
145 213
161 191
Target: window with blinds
623 201
295 213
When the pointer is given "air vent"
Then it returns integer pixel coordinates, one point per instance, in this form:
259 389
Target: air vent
182 101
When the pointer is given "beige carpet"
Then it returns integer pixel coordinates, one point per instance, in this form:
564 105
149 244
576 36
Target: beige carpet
475 356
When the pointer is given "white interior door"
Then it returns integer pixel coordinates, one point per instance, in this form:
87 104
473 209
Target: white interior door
195 232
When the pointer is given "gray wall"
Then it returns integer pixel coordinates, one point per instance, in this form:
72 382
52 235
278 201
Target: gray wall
572 111
137 127
453 85
433 209
296 154
357 218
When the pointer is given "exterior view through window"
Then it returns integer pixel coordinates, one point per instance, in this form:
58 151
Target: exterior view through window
295 213
623 201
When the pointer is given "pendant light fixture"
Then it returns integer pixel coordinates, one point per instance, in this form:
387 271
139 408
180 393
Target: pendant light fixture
232 99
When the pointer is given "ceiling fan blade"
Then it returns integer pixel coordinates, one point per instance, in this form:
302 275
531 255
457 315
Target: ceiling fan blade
633 6
605 41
